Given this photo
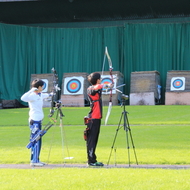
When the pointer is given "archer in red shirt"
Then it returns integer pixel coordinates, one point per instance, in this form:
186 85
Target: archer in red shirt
95 115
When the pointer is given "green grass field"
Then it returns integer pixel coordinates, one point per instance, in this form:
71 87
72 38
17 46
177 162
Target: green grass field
160 135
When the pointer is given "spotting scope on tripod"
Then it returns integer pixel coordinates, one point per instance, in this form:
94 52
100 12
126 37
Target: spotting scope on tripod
124 123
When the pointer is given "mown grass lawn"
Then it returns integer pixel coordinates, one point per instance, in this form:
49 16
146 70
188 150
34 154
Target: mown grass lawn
160 135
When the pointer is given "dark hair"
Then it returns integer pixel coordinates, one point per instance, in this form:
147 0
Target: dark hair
37 82
93 77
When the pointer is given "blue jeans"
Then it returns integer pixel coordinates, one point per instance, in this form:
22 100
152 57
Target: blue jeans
35 127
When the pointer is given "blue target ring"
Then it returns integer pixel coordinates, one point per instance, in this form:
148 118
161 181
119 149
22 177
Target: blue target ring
73 86
44 86
178 83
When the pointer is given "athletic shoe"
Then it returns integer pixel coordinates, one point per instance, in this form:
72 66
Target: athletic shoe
42 163
96 164
36 164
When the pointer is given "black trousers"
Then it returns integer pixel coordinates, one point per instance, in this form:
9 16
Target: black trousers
92 139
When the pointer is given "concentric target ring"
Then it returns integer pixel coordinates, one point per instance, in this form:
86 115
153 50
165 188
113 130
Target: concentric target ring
177 83
73 86
106 81
44 86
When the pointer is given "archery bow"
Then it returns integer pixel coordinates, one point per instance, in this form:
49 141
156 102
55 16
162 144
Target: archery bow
56 100
110 68
55 95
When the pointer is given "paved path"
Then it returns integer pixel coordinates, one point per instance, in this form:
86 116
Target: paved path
52 166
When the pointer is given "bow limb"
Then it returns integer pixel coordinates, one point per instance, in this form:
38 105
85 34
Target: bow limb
110 102
106 54
109 59
108 112
110 68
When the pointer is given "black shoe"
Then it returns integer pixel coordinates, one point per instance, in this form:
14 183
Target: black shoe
96 164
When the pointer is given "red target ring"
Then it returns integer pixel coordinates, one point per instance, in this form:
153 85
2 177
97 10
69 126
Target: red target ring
73 86
178 83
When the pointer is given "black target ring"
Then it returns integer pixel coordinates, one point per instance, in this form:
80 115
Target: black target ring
73 86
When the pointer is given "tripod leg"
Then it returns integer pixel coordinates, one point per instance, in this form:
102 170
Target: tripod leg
115 138
126 131
61 126
63 135
62 138
50 147
129 129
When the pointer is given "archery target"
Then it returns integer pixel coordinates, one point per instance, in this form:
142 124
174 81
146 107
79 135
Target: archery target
73 85
177 83
106 79
45 86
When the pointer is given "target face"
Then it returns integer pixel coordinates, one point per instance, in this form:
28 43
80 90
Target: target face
73 86
45 86
106 79
178 83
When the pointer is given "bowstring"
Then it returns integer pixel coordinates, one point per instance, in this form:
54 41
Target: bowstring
104 62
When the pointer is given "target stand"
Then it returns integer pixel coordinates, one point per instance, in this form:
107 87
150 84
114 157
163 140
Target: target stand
74 89
145 88
177 88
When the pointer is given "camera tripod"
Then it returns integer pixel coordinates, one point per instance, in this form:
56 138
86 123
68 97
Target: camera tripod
60 115
127 129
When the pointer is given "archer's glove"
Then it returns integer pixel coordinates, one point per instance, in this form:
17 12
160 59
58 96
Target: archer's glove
106 86
52 94
111 85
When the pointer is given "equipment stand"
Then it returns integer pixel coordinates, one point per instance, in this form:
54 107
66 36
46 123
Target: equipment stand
63 136
60 115
127 129
59 111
